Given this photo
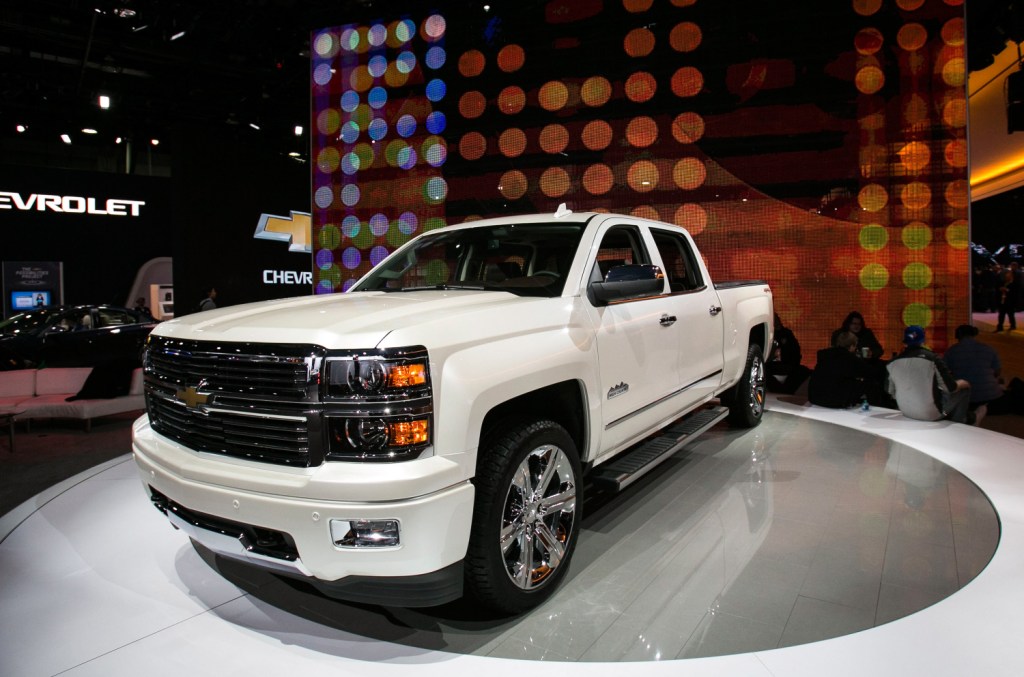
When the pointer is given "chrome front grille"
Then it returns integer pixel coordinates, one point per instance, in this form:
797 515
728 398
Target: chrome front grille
253 401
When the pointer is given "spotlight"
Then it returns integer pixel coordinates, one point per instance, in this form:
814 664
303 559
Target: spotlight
294 154
21 128
254 126
298 130
104 101
155 142
65 138
118 140
88 130
178 35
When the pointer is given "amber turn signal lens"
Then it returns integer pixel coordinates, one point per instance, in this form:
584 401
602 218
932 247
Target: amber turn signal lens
409 433
406 375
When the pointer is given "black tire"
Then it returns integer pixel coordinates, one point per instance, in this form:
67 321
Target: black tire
746 399
526 516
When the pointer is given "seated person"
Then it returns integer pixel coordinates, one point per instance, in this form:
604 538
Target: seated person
922 384
979 365
854 323
838 380
785 373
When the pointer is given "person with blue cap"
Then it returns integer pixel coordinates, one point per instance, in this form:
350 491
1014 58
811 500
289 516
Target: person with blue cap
923 386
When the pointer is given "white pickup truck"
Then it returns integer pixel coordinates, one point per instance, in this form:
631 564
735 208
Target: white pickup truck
430 432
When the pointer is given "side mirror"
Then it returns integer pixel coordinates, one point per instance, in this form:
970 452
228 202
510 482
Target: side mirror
627 282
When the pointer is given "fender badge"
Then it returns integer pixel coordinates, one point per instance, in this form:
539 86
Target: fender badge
620 389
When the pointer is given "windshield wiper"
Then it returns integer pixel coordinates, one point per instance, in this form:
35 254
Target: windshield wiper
447 285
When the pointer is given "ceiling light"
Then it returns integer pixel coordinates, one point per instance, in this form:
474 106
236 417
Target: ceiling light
155 142
178 35
104 101
294 154
88 130
21 128
117 140
254 125
298 130
65 138
140 28
125 12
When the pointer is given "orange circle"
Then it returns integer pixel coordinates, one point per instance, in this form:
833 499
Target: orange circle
689 173
688 127
598 179
872 197
472 146
635 6
511 58
642 176
912 37
953 32
909 5
916 109
687 81
641 132
683 3
956 153
640 87
956 193
866 7
472 104
638 42
511 100
360 79
692 217
554 139
916 195
555 182
394 77
868 41
513 184
872 157
512 142
915 156
954 73
597 135
553 95
596 91
869 79
645 212
472 63
954 113
685 37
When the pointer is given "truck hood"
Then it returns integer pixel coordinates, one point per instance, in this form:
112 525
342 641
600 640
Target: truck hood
350 320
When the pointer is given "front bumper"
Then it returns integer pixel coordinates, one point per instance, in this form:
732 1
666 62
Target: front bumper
212 490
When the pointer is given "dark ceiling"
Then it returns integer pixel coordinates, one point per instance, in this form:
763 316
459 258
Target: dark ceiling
237 63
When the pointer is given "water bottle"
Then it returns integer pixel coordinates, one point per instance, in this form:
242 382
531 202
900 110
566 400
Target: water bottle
864 406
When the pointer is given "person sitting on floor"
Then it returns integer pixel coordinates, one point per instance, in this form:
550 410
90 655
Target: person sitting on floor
785 373
978 364
838 379
923 386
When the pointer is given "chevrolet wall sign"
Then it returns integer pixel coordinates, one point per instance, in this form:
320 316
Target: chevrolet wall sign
69 204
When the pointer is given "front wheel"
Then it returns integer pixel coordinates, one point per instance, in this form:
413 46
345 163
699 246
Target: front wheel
746 399
525 517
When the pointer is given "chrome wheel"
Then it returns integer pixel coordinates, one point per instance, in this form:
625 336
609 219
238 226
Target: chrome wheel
538 517
757 386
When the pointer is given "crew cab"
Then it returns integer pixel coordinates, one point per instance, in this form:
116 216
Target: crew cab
429 432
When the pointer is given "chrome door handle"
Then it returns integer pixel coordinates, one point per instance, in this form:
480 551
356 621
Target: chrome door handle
714 310
667 320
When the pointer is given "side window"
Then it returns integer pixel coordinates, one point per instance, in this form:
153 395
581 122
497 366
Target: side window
113 318
620 246
677 256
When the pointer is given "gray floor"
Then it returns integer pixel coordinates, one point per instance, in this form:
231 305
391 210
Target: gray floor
794 532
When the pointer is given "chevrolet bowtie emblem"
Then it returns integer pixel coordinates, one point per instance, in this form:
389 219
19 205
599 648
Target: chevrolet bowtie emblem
191 397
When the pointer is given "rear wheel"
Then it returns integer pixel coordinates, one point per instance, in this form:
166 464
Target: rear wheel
746 399
525 517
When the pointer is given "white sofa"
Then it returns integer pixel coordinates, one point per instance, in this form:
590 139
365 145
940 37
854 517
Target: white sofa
43 393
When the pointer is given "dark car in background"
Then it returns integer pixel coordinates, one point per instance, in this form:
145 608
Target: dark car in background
72 336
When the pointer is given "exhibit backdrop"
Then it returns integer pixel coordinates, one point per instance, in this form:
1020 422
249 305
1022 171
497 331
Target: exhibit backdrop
822 148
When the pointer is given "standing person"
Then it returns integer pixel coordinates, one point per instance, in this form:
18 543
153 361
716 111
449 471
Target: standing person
839 378
140 305
923 385
209 303
866 340
1009 295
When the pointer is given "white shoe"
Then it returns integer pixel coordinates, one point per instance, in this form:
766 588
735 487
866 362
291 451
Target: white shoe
979 414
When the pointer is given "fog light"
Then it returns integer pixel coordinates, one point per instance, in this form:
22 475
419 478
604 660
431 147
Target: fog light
365 533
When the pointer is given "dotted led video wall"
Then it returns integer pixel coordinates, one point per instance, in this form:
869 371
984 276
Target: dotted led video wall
821 148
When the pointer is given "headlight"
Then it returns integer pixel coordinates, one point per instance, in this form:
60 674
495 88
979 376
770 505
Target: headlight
378 404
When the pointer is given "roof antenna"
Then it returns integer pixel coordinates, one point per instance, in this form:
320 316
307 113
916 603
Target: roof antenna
562 211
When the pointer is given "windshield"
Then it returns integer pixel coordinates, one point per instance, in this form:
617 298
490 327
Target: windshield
29 323
530 259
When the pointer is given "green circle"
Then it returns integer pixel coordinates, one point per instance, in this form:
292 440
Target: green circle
395 237
873 237
917 313
392 150
916 236
363 239
917 275
362 116
329 237
874 276
957 235
332 274
433 223
437 272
